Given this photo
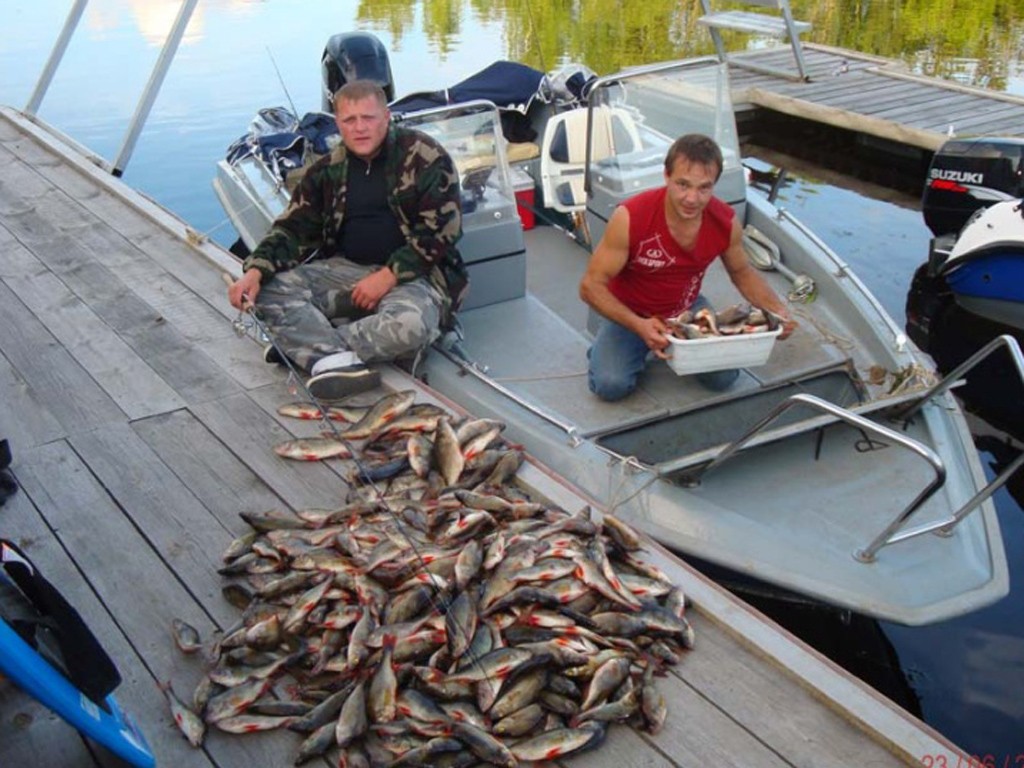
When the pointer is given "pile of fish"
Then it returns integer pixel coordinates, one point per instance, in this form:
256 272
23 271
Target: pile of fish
440 617
732 321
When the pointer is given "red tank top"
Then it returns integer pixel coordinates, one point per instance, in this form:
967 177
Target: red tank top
661 277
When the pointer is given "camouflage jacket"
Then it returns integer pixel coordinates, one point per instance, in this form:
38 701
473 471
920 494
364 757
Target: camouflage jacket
423 194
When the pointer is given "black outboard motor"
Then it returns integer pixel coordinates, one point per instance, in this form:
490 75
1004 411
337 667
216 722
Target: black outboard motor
968 174
354 56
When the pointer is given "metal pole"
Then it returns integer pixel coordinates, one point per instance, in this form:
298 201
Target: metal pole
163 63
55 56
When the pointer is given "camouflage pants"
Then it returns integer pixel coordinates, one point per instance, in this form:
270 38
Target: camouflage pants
308 312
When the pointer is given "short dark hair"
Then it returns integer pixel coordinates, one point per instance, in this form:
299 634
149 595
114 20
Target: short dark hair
357 90
697 148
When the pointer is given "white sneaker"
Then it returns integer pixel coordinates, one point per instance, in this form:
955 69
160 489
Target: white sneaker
335 362
339 375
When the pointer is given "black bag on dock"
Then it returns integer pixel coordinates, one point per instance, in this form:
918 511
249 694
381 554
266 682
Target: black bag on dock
34 609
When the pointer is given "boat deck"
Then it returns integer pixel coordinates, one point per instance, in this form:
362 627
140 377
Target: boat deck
873 95
141 425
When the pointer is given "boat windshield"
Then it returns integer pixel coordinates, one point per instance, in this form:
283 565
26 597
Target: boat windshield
637 114
471 132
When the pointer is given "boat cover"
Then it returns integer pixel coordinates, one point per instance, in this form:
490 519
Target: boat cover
509 85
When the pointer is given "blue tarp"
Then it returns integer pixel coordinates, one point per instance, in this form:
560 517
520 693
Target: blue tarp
507 84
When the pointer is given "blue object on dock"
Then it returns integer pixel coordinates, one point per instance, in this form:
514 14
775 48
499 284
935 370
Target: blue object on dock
33 613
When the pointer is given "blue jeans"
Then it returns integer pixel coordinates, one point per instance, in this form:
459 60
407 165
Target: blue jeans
618 357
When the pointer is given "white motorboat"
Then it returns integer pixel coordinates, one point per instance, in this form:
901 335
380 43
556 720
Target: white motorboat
840 471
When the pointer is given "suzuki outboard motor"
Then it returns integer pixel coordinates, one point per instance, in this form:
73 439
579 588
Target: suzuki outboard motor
968 174
354 56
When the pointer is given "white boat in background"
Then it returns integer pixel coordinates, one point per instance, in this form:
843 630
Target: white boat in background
840 470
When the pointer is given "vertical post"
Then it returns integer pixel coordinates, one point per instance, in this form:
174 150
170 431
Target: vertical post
156 79
56 55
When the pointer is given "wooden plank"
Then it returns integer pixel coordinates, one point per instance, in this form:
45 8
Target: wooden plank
25 420
20 187
53 375
983 116
774 707
175 524
250 433
954 109
143 592
188 370
859 81
878 100
46 141
222 483
136 388
841 119
31 730
695 733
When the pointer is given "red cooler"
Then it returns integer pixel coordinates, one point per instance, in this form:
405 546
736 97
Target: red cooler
522 183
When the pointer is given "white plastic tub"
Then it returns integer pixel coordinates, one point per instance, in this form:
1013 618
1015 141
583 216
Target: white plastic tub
719 353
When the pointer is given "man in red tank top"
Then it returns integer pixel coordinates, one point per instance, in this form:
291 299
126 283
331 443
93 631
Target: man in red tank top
650 264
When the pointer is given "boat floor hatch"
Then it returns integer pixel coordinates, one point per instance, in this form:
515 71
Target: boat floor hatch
714 425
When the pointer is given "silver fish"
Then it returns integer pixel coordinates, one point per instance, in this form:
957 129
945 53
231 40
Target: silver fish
186 637
186 720
313 449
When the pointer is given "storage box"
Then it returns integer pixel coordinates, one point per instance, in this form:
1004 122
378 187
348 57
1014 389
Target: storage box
523 185
719 353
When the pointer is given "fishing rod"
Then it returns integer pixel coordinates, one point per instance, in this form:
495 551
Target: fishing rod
281 81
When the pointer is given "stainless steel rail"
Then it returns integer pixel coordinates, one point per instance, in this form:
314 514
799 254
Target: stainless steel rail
156 79
1012 348
867 554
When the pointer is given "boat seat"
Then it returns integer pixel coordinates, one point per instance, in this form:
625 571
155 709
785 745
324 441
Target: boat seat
779 23
563 152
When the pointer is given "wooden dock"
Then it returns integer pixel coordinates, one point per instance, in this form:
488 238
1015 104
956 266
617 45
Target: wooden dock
141 425
874 96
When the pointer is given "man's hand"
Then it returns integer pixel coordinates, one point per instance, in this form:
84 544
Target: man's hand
654 332
371 289
788 326
246 288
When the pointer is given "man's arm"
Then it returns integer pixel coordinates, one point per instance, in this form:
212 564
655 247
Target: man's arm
750 283
297 230
609 258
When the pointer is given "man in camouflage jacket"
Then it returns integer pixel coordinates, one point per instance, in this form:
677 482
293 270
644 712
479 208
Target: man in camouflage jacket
368 242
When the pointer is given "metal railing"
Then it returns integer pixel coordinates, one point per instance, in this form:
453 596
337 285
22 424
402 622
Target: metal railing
887 535
149 95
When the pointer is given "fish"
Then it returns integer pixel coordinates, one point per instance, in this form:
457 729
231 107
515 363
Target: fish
234 700
252 723
559 742
188 722
442 616
447 452
311 412
352 721
313 449
383 693
385 410
186 637
317 743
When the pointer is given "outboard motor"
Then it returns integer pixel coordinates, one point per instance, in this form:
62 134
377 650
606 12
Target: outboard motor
968 174
354 56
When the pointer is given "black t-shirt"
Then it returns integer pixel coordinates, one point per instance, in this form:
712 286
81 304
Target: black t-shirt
370 231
